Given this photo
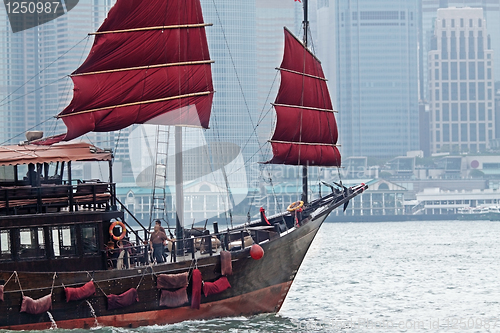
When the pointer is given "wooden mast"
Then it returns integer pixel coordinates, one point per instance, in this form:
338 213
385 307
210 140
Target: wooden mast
304 168
179 192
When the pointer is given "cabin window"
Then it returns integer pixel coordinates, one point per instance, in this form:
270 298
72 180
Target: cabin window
7 173
22 171
31 243
5 249
89 239
64 240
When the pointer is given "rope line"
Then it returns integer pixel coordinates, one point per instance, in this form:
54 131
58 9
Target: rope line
9 278
53 281
62 55
19 282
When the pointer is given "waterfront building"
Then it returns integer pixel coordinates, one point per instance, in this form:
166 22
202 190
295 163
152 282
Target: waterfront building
437 201
381 199
461 82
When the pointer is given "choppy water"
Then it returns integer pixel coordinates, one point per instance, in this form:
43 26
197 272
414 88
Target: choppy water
383 277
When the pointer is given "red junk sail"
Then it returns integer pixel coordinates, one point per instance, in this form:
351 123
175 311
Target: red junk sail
306 130
149 64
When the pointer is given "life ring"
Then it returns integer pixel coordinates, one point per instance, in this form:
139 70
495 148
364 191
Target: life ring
295 205
113 225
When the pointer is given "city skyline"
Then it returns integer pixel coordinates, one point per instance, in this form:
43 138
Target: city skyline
244 78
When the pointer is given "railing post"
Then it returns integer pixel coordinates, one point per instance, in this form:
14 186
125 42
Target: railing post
38 199
70 181
226 241
7 201
242 236
193 249
94 196
277 228
174 254
209 245
146 249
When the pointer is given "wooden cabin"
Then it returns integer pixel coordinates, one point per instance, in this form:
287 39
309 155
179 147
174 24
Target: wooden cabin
50 221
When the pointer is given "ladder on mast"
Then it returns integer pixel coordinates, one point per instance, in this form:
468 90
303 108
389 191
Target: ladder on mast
158 206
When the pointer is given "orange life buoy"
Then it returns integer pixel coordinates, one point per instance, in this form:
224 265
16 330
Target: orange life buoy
295 205
113 225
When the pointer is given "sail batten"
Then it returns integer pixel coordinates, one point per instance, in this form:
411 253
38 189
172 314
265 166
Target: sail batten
147 65
305 107
304 74
136 103
177 26
306 129
306 143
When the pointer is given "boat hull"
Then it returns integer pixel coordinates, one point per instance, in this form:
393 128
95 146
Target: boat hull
257 286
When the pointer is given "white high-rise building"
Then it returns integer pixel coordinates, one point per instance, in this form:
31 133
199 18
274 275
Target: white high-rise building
461 82
491 13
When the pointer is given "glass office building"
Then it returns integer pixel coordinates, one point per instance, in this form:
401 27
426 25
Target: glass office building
231 41
377 76
35 64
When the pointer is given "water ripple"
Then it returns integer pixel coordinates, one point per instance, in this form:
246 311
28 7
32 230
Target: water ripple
381 277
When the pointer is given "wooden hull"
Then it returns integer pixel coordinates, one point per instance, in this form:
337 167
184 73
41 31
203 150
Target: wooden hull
257 286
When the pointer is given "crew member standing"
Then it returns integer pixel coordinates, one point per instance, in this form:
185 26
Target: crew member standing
156 241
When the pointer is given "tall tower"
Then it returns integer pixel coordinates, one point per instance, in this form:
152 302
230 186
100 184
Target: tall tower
461 82
271 17
377 76
37 63
491 14
231 41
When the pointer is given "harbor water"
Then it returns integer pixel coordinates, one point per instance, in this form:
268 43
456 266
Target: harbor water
440 276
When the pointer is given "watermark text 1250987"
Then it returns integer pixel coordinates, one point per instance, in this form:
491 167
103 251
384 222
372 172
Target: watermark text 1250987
25 15
31 7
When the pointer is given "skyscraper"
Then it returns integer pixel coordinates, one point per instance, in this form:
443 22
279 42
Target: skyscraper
36 64
271 17
325 44
491 14
377 76
231 41
461 86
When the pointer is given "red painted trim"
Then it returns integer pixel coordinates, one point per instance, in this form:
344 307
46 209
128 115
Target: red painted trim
265 300
263 215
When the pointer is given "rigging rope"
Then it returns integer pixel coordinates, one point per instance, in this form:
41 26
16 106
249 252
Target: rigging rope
19 282
21 288
42 87
14 273
62 55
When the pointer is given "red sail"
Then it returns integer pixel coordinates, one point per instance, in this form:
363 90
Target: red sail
306 130
149 64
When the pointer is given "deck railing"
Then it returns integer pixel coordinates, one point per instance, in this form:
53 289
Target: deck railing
17 200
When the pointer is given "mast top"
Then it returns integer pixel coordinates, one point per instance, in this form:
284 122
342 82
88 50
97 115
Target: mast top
305 22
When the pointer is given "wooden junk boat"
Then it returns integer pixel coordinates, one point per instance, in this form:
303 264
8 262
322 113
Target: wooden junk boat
62 253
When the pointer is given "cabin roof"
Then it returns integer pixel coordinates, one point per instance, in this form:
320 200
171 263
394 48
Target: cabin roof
61 152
